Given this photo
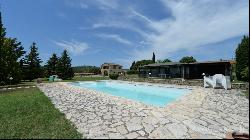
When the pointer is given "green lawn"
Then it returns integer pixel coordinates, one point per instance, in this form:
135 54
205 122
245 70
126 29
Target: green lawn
28 113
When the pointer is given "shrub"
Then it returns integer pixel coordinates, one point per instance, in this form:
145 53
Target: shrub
188 59
2 83
136 65
245 74
39 80
113 76
132 72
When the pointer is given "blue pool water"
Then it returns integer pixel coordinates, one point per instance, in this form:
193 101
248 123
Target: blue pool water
152 95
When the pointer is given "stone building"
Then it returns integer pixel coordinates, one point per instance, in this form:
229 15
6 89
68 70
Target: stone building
111 68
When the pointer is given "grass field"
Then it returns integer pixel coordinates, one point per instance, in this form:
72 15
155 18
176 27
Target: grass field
28 113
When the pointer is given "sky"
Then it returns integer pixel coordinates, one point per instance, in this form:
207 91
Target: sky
123 31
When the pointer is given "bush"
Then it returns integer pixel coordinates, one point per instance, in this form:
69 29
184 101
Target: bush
132 72
113 76
188 59
245 74
39 80
135 66
2 83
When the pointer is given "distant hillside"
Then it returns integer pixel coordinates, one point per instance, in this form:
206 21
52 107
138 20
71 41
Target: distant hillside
87 69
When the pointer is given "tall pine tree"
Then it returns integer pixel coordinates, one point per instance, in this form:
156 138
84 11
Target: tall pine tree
10 51
32 61
2 35
64 69
242 59
51 65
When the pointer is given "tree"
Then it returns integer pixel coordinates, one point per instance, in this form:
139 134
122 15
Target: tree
242 59
33 68
245 74
153 58
142 63
132 66
2 31
10 51
164 61
64 68
87 69
2 36
51 66
188 59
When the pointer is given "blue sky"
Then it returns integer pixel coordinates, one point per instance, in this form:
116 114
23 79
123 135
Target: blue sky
119 31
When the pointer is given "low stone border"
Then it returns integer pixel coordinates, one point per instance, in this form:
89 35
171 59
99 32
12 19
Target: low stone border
13 88
242 86
198 82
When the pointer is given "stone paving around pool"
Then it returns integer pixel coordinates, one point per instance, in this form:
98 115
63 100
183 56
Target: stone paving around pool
203 113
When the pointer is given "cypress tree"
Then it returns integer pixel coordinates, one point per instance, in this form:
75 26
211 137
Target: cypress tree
153 58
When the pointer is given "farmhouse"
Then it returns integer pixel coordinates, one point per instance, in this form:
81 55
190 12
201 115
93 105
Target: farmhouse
111 68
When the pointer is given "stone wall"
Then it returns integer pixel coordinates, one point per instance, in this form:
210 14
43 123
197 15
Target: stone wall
169 81
243 86
196 82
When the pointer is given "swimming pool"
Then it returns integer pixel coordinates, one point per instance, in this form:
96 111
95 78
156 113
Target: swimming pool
148 94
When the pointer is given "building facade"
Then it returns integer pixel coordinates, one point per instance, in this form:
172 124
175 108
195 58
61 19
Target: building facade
111 68
186 70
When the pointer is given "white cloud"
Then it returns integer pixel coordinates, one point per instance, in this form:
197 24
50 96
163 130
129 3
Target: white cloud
141 16
99 25
116 38
195 23
192 24
77 4
122 24
107 4
74 47
83 5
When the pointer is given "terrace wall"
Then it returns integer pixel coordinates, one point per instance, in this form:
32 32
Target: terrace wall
193 82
